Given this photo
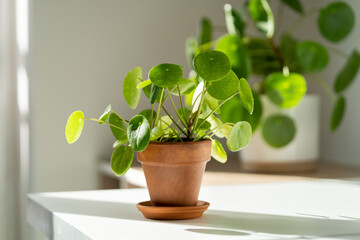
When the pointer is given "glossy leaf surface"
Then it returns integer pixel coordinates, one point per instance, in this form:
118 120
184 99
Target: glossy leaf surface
121 160
130 91
239 137
246 96
106 114
138 133
217 151
165 75
225 87
119 131
74 126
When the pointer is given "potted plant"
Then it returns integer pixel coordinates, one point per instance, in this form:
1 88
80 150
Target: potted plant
278 68
174 149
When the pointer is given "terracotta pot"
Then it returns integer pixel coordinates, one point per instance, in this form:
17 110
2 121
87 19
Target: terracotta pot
174 171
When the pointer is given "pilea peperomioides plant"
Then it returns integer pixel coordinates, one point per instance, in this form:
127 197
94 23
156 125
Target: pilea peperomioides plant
217 85
281 61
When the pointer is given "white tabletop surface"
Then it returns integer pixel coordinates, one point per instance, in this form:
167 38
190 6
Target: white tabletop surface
322 209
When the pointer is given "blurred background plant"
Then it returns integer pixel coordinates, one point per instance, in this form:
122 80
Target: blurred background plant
280 65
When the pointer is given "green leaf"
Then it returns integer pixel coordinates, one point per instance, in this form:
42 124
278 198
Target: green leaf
238 54
262 15
138 133
117 143
121 160
234 23
217 151
105 115
212 65
155 92
187 112
221 130
164 122
205 125
74 126
294 4
191 48
246 96
285 91
232 111
212 103
288 51
156 133
143 84
130 90
348 72
119 131
337 113
312 56
147 114
278 130
186 86
225 87
335 21
165 75
205 31
239 137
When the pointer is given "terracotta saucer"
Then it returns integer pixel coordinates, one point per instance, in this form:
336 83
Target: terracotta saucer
171 212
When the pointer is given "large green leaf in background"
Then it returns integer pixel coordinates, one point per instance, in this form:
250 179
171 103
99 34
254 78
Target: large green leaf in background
312 56
238 54
130 91
239 137
224 88
121 160
288 51
119 131
234 23
261 13
278 130
217 151
138 133
191 47
285 91
337 113
294 4
336 20
212 65
348 72
74 126
204 31
232 111
165 75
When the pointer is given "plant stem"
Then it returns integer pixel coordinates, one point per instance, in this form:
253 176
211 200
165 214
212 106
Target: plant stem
198 111
171 129
151 116
338 52
325 86
172 119
160 105
97 120
201 123
177 114
182 105
301 18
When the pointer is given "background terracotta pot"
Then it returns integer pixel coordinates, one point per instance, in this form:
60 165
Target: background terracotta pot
174 171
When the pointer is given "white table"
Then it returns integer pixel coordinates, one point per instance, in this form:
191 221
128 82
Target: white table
321 209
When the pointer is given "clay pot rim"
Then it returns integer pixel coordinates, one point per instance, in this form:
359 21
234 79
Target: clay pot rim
180 143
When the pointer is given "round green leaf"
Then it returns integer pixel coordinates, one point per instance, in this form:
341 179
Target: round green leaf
232 112
212 65
105 115
217 151
130 90
119 131
205 125
262 15
225 87
336 20
239 137
121 160
117 143
337 113
74 126
285 91
278 130
186 86
156 132
348 72
238 54
138 133
147 114
312 56
246 96
205 31
165 75
143 84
